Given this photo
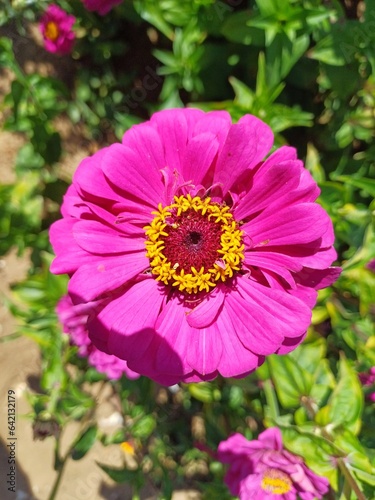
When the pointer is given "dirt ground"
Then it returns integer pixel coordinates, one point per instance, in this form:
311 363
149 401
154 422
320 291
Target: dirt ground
20 361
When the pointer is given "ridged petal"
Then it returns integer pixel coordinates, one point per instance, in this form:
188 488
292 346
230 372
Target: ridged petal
133 176
97 238
247 143
105 274
301 224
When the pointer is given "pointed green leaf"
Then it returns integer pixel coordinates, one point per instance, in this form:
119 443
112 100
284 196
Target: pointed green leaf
84 443
346 402
290 380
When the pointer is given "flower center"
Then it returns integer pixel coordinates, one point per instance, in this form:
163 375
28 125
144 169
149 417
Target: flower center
52 31
276 482
194 243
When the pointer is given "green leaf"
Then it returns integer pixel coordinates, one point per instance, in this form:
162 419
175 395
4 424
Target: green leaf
235 29
282 55
84 443
358 456
123 475
316 451
144 427
366 184
309 355
290 380
313 164
346 402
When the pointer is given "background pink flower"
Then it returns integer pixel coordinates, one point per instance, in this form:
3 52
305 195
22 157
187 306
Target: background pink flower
368 379
236 246
56 27
262 469
74 321
101 6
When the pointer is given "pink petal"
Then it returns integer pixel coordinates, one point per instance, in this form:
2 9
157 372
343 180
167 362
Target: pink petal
250 487
97 238
290 344
303 223
246 145
272 256
134 319
285 153
268 185
126 326
147 147
199 156
318 279
217 123
89 178
70 201
122 166
194 377
276 264
257 329
175 128
205 313
236 360
205 349
310 255
309 186
68 262
172 329
132 211
264 316
307 294
271 438
231 447
60 233
104 275
69 256
290 314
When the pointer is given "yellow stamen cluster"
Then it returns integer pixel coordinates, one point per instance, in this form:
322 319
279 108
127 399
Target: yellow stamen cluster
230 253
276 482
51 31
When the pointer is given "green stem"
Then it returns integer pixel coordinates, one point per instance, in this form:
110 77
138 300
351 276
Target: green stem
60 463
350 479
271 398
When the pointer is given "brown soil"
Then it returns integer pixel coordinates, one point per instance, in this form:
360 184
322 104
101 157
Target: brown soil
19 358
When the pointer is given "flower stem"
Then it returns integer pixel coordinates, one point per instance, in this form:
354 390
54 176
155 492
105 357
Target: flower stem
60 465
271 399
350 479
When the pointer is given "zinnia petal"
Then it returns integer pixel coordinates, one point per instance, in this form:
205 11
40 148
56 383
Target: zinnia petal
104 275
246 145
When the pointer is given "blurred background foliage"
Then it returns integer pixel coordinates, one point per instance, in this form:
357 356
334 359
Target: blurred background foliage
308 69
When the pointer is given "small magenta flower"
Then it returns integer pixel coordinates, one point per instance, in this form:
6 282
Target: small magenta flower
74 320
368 379
263 469
102 7
56 27
371 265
207 255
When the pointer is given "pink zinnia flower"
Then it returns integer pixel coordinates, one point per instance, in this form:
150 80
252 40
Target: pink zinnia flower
207 256
262 469
74 320
101 6
56 27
